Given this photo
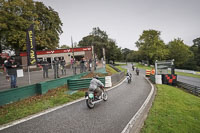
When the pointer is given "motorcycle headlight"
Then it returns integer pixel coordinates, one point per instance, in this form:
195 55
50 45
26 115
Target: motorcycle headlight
91 95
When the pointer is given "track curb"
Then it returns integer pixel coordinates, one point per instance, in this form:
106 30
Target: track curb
137 121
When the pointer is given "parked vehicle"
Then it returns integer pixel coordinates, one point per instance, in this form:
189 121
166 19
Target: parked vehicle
92 99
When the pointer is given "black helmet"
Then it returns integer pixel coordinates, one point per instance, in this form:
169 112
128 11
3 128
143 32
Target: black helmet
96 77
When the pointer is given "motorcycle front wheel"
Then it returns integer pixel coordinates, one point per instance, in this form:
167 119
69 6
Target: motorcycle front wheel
105 96
89 103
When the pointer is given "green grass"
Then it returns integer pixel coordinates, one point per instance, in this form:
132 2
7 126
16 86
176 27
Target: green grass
121 68
110 70
35 104
173 111
143 67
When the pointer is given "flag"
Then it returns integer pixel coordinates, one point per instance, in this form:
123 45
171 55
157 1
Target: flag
31 46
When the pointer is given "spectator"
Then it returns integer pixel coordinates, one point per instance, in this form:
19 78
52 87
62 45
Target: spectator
82 62
75 66
56 64
63 66
90 64
72 62
5 70
45 65
11 67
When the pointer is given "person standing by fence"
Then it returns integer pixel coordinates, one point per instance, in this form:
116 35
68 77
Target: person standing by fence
45 66
82 65
56 67
75 66
90 64
11 67
5 69
63 66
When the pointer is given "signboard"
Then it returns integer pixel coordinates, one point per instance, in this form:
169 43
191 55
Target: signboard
20 73
59 51
31 46
108 81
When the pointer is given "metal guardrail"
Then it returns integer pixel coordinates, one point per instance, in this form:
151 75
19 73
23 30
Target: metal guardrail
115 68
191 88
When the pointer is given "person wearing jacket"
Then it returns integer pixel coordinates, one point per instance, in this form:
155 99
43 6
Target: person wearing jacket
95 83
45 65
11 67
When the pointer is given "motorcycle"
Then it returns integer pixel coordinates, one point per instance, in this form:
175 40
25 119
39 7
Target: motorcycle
92 99
133 68
129 78
137 71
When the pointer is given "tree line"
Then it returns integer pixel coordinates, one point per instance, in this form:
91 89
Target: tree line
17 15
151 48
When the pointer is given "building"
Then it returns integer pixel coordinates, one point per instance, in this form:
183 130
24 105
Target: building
67 54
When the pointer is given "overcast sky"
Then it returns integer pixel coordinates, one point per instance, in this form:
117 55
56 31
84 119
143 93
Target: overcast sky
125 20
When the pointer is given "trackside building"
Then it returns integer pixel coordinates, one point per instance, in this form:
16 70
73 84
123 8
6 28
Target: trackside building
67 54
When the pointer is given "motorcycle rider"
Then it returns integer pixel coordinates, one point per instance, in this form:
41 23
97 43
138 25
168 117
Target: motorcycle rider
95 85
137 71
128 75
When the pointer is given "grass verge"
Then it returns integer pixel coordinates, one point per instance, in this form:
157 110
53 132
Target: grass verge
36 104
110 70
143 67
173 111
121 68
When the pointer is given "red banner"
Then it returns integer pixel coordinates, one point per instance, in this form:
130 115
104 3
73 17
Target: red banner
59 51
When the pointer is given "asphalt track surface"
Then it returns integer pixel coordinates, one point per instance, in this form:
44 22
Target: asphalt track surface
189 80
107 117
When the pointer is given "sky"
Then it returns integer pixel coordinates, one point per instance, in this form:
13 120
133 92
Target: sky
125 20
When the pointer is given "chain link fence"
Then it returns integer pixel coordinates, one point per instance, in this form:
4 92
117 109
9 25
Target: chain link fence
36 74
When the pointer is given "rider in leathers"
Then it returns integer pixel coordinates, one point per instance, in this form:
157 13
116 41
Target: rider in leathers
94 86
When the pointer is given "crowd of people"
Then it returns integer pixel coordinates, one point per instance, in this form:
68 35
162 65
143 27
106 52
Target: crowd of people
59 67
85 65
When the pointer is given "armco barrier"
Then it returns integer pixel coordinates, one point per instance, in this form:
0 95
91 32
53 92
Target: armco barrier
16 94
191 88
76 84
115 78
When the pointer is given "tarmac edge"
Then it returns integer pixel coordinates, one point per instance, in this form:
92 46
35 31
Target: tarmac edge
137 121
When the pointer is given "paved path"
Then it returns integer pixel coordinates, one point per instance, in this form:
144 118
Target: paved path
107 117
189 80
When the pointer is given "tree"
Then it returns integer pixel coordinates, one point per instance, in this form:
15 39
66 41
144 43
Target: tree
151 47
179 52
195 48
99 39
134 56
125 52
64 46
18 15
